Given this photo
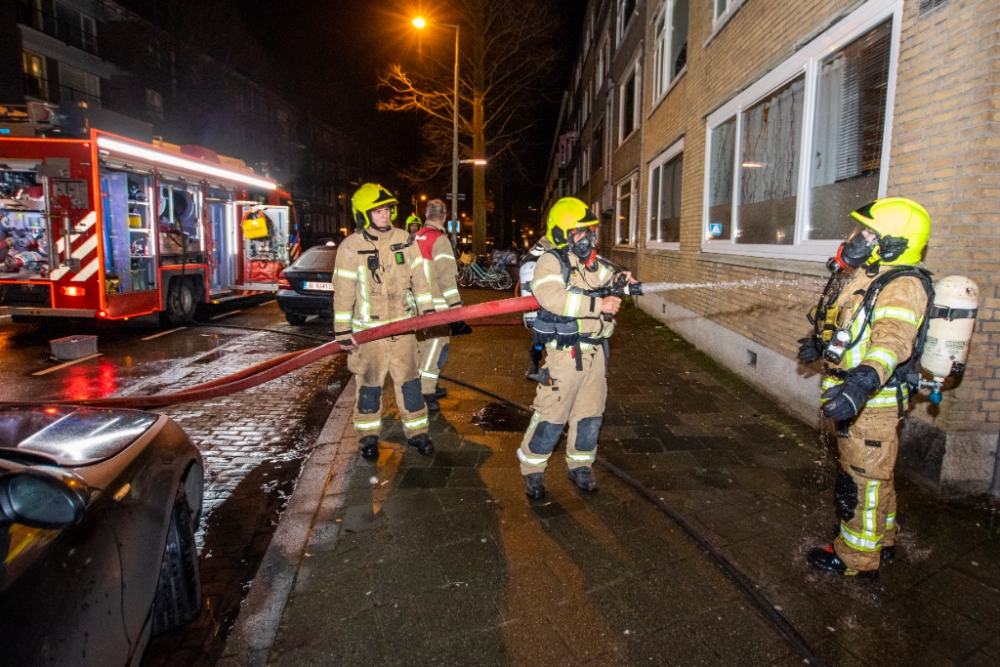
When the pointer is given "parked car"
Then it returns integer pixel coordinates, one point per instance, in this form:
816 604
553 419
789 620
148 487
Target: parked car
98 510
306 287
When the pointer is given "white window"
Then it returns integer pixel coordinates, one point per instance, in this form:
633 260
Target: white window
76 29
626 10
791 156
670 44
625 210
629 104
585 170
588 36
585 106
664 207
76 85
595 208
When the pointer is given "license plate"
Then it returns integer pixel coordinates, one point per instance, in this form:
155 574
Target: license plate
323 287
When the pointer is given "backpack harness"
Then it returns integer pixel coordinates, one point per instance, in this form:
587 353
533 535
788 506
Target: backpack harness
906 372
564 330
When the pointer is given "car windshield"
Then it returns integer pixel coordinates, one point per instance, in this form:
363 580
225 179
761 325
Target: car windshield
315 259
73 436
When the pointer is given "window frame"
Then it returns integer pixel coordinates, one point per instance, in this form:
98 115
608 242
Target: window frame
807 61
663 79
652 240
622 28
636 72
633 180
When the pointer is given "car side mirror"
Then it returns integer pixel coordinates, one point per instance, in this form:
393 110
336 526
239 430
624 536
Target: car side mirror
42 497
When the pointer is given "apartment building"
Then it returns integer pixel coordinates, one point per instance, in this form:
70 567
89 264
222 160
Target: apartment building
82 63
758 126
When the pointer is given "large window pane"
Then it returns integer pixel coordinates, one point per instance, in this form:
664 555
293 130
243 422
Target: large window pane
624 222
628 106
670 201
654 203
772 134
720 197
850 125
678 37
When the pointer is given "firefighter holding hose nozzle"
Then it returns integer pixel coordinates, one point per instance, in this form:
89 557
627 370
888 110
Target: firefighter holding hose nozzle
869 333
576 295
377 270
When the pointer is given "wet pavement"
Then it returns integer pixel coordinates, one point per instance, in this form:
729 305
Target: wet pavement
442 560
253 443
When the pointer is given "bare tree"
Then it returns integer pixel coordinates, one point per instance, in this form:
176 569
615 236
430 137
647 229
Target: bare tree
506 59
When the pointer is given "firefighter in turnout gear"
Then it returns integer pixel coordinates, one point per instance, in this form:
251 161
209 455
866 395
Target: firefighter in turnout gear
379 277
442 271
573 323
869 334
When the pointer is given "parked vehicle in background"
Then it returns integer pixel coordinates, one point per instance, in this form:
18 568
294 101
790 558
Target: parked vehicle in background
98 511
109 228
306 287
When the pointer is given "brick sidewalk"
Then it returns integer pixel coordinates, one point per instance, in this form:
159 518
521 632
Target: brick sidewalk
442 560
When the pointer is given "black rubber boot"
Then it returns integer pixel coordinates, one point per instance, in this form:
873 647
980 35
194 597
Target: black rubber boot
888 554
826 559
423 444
534 485
532 373
584 478
432 403
440 392
369 446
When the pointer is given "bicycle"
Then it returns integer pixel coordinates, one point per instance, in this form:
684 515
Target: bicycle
495 277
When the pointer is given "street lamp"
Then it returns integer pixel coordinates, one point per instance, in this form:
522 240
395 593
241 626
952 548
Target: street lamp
420 24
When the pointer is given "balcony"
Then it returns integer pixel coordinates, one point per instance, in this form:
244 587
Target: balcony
79 31
53 91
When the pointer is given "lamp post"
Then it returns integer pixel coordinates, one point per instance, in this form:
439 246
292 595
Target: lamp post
420 24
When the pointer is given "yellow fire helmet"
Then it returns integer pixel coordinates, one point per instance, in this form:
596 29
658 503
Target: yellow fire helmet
369 197
566 214
414 219
902 226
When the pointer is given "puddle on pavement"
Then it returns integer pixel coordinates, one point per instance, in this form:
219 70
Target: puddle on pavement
213 356
499 416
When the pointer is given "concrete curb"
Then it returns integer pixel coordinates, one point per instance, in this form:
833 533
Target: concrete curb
317 492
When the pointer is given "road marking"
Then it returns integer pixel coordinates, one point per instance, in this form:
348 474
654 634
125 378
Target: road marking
163 333
68 363
219 317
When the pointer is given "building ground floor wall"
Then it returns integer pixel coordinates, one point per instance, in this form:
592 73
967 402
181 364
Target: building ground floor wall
952 463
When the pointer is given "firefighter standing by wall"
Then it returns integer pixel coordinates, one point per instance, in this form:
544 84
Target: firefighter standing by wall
376 270
441 270
572 384
872 326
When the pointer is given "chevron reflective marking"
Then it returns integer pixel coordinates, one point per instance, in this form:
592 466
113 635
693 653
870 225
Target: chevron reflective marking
88 247
58 273
86 272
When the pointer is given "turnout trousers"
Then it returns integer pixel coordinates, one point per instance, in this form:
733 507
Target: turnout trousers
566 395
370 363
865 490
432 354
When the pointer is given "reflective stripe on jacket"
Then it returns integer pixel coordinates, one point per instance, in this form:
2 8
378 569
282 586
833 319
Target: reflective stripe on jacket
554 294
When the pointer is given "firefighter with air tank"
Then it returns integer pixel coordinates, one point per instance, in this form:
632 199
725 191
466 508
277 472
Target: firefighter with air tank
379 278
867 331
574 322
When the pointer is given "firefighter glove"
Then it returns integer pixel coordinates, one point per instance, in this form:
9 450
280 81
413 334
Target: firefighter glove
846 399
810 349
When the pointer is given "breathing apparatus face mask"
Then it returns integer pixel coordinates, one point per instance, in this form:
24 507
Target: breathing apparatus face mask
585 246
855 251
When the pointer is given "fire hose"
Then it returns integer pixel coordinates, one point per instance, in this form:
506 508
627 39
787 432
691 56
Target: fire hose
481 313
292 361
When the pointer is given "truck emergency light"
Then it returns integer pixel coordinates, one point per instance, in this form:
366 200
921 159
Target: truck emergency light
182 163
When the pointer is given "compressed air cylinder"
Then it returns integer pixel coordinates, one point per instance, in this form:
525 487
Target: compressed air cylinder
949 330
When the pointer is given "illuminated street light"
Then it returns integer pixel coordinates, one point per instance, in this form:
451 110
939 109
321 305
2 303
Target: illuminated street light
479 161
420 24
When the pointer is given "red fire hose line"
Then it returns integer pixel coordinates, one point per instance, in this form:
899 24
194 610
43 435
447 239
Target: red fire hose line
292 361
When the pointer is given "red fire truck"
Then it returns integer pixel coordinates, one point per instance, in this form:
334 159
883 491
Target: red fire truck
106 227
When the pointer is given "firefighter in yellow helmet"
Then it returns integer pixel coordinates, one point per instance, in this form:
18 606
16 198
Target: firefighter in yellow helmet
574 322
866 331
413 224
378 278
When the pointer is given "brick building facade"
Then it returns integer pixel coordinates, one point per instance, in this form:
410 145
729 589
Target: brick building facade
759 127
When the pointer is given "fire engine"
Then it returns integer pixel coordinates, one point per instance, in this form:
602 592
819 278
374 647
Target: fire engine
110 228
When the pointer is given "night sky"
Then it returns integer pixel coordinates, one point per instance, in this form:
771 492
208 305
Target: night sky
327 55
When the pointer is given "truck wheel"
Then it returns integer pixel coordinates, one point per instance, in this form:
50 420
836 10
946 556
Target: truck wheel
181 302
178 591
295 319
